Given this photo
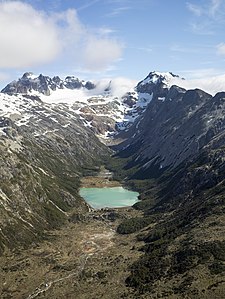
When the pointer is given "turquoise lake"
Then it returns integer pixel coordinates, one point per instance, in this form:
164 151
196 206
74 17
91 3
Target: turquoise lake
114 197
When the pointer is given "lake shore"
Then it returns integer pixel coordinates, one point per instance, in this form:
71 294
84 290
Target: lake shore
82 259
101 180
97 182
111 197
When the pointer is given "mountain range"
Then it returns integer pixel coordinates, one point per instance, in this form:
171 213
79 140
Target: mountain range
105 106
157 137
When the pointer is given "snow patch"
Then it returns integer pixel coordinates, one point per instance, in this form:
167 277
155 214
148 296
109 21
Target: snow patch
161 99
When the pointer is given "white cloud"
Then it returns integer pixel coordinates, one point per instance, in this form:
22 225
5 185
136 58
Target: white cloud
100 52
211 85
184 49
145 49
214 7
206 16
119 10
121 85
88 4
202 27
69 28
31 37
210 80
200 73
28 37
105 31
209 9
118 86
195 9
221 49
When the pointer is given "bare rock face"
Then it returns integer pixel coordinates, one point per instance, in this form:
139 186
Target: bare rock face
26 84
44 84
176 125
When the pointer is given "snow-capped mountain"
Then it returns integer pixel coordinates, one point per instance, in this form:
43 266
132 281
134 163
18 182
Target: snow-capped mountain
48 129
210 84
44 149
47 141
29 83
176 125
173 138
105 106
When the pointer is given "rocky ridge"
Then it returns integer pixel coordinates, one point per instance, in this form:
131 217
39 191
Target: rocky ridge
176 125
44 84
102 106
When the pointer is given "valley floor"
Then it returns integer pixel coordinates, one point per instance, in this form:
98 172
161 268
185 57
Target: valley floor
87 259
102 179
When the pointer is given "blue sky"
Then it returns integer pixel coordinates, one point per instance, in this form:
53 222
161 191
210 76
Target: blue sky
112 38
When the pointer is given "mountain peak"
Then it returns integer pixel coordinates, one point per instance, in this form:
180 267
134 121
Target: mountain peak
28 75
159 77
158 81
29 83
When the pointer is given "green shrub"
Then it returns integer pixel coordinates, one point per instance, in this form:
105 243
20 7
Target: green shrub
132 225
217 268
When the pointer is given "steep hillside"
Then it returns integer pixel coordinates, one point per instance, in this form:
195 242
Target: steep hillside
44 151
175 126
179 152
183 229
